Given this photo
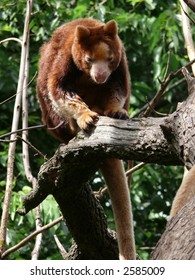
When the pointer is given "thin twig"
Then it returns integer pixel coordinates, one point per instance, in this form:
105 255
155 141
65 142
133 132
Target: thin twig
177 83
156 112
99 194
32 147
163 86
135 168
30 128
57 126
22 129
101 191
60 247
11 97
8 99
30 237
8 141
11 39
167 66
158 95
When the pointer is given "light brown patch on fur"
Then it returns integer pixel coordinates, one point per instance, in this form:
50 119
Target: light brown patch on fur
101 51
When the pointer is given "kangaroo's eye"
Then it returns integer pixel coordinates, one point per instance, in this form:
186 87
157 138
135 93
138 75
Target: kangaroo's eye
88 59
111 59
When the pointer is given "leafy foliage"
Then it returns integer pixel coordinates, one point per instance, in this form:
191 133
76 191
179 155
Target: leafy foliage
150 30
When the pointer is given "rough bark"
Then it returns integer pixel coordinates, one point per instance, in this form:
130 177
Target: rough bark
178 241
167 141
179 127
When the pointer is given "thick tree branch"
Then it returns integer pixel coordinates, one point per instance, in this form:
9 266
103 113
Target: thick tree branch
136 139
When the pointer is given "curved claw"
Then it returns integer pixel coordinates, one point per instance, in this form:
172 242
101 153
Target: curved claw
120 114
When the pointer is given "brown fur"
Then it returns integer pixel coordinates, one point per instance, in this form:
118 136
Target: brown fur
73 89
184 193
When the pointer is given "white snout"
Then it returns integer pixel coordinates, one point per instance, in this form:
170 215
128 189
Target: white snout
100 72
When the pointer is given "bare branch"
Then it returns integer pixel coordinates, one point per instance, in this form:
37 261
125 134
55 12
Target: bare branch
26 158
14 95
8 99
60 247
101 191
30 128
25 146
8 141
167 66
38 241
53 128
22 129
163 86
30 237
11 39
32 147
135 168
15 121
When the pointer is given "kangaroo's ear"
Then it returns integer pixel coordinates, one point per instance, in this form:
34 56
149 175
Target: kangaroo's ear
110 28
82 33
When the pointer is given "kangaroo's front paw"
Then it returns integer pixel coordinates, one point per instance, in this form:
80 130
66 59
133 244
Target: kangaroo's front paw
87 120
117 114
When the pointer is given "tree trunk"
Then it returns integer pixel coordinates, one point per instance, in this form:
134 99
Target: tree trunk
178 242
